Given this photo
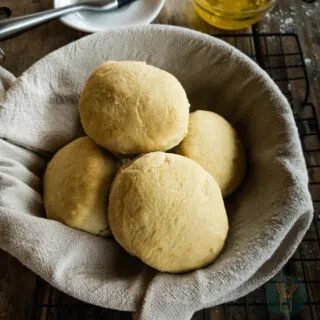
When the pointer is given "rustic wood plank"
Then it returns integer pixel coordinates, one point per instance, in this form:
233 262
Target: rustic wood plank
17 285
23 51
290 16
29 47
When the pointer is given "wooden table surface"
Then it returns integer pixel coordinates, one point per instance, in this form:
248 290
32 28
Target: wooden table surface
17 283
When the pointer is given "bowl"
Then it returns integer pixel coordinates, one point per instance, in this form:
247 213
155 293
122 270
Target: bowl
233 15
268 215
138 12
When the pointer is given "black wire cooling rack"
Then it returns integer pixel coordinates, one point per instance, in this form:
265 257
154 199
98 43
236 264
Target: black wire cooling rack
281 56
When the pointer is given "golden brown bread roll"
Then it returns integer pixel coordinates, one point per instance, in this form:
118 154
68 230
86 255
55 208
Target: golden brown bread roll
168 211
131 108
214 144
76 185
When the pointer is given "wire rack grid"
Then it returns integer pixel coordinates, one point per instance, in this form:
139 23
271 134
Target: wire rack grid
281 56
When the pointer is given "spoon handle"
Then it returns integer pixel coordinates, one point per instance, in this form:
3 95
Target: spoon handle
13 26
122 3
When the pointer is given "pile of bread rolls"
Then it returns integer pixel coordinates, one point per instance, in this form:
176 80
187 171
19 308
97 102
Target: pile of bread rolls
166 208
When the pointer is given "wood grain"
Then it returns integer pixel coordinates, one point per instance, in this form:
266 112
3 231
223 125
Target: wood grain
29 47
302 18
17 287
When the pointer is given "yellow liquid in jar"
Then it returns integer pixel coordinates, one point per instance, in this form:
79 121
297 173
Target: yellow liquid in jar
232 15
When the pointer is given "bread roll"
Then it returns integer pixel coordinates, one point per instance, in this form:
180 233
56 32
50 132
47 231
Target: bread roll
76 185
168 211
132 108
214 144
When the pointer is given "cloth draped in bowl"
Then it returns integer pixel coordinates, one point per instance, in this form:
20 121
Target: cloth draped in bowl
269 215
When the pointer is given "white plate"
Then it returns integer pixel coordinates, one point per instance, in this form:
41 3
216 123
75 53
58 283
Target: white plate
138 12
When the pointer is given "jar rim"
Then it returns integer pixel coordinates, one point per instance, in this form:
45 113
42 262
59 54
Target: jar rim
268 6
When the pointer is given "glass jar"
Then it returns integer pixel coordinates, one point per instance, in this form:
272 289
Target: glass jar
233 15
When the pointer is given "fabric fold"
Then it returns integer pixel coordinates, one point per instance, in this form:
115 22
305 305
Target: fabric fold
269 214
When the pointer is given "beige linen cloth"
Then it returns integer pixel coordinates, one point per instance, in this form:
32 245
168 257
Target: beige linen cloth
269 215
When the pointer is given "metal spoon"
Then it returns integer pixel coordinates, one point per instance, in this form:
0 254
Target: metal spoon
13 26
